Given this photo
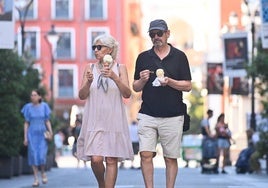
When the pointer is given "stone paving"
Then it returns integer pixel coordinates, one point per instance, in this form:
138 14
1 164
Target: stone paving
69 175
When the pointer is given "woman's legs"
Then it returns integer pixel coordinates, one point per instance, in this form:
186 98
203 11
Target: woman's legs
218 157
35 173
225 157
106 178
111 172
98 170
44 176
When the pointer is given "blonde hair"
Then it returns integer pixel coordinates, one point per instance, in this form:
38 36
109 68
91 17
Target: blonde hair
109 41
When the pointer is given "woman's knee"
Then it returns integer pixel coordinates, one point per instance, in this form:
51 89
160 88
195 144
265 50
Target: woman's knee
96 160
111 160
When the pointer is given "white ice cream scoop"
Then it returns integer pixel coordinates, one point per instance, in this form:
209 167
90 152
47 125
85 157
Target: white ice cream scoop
160 73
108 59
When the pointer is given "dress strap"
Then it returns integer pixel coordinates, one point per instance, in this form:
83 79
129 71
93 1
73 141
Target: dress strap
92 66
118 65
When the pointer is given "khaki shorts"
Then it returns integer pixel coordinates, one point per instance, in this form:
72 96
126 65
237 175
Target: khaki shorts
168 131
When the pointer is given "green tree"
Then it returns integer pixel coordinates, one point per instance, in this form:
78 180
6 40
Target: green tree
259 68
16 80
195 110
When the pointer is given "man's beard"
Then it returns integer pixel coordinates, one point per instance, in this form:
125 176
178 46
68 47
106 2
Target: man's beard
157 43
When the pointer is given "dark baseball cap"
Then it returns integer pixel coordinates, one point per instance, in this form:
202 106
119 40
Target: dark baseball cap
158 25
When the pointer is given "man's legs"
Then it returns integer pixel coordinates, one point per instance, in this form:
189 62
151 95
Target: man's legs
147 144
171 171
170 133
147 168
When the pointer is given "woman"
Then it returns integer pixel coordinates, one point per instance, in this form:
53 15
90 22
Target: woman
223 136
36 115
104 134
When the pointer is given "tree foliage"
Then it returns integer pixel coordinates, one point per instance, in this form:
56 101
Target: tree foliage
16 80
259 68
196 110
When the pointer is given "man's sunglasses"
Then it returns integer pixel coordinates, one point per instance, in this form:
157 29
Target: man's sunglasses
158 33
99 47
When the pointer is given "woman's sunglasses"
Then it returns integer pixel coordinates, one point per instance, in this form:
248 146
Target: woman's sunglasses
158 33
98 47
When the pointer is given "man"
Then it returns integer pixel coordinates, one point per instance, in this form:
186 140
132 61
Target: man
209 146
205 125
161 114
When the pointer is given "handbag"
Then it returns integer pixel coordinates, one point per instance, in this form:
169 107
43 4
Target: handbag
187 119
186 123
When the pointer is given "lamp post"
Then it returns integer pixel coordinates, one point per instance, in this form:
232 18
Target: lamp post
52 37
22 6
250 7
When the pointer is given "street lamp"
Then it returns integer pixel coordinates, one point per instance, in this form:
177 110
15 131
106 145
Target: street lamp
52 37
250 7
22 6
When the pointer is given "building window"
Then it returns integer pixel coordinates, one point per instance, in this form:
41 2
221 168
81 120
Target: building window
92 33
31 43
31 13
62 9
96 9
66 81
65 46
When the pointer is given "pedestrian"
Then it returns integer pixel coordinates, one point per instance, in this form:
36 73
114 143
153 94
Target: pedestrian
37 123
206 133
223 136
76 132
162 74
205 125
133 131
209 146
104 134
58 141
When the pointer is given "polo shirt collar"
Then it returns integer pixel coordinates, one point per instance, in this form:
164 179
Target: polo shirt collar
152 52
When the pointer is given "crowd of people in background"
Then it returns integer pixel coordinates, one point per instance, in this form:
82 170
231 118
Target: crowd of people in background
222 137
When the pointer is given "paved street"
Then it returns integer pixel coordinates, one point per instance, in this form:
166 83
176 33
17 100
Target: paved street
68 175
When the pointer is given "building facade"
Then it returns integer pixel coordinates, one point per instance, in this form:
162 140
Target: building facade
77 22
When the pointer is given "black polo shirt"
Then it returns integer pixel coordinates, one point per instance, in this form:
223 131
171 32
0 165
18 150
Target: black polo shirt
163 101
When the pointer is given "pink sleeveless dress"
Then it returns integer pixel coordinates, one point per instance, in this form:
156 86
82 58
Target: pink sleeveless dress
104 129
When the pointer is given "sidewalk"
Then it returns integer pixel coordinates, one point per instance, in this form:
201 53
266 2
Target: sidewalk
69 176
